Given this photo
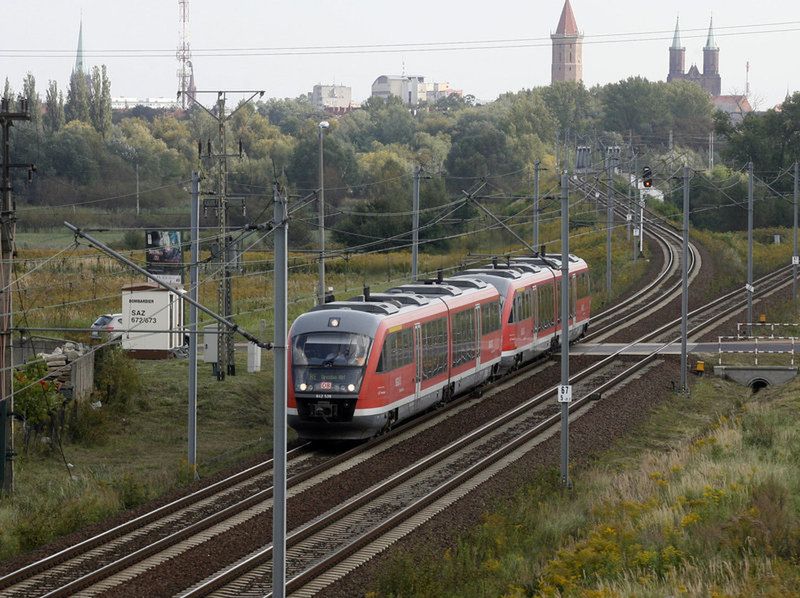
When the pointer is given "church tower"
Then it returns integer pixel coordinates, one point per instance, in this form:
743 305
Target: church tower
712 82
80 66
567 48
677 56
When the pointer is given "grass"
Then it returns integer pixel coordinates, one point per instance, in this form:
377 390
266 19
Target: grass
141 452
701 501
124 457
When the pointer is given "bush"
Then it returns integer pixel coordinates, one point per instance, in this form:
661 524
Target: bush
115 377
133 239
88 426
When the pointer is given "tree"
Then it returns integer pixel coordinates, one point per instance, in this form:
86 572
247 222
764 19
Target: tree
54 108
771 139
392 120
77 106
690 110
100 101
480 148
341 167
8 91
635 105
387 190
574 107
34 101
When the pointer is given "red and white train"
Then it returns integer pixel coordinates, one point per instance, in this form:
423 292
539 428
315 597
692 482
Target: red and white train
358 367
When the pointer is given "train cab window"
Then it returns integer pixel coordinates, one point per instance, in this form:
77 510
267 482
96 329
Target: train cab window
398 350
490 317
330 349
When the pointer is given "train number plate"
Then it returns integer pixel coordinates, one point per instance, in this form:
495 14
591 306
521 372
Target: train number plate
325 385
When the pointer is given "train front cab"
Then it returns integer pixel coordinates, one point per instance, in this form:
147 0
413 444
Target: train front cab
329 362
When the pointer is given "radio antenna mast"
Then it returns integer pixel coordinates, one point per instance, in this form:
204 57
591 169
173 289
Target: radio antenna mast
184 53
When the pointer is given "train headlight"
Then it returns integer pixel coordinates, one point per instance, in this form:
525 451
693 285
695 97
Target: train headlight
351 387
303 386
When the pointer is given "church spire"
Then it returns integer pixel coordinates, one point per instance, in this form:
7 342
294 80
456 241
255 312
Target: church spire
80 67
711 42
676 40
567 24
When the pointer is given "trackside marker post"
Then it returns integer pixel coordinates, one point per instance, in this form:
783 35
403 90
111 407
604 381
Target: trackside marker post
564 311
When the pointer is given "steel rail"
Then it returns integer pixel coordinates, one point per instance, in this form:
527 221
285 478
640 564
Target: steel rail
129 526
263 556
57 558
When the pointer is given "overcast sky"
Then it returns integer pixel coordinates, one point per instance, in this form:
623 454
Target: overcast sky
33 28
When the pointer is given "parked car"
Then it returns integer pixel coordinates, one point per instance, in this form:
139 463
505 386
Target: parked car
107 327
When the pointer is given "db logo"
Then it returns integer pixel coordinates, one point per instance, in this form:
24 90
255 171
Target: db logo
325 385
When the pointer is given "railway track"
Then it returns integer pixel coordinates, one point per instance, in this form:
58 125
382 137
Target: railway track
331 546
120 555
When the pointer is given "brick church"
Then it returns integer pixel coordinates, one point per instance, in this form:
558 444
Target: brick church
709 79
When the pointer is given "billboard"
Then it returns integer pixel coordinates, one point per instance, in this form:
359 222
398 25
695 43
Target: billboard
164 255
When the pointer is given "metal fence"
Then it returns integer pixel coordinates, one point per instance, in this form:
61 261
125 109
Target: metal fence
756 350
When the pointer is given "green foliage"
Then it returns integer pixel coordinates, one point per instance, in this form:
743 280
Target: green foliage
690 504
35 398
77 106
770 139
88 426
116 376
54 115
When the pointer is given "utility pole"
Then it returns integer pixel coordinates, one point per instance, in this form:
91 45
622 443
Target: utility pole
415 226
565 390
628 216
685 281
8 220
795 256
193 283
280 219
321 214
536 167
711 151
137 188
558 147
750 289
225 347
226 364
609 222
637 231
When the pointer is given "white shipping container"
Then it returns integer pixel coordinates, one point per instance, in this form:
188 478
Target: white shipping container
152 318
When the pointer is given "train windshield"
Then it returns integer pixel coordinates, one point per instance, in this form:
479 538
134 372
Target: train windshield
329 349
329 361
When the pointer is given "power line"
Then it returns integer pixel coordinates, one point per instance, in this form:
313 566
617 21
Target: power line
453 45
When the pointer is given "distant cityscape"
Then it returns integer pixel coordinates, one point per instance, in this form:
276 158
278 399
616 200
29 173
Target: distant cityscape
415 91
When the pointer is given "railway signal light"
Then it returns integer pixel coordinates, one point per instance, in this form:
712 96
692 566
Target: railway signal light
647 177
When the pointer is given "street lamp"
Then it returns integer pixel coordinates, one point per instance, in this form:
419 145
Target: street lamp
321 215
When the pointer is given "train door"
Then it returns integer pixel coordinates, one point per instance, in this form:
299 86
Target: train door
478 337
418 360
535 312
